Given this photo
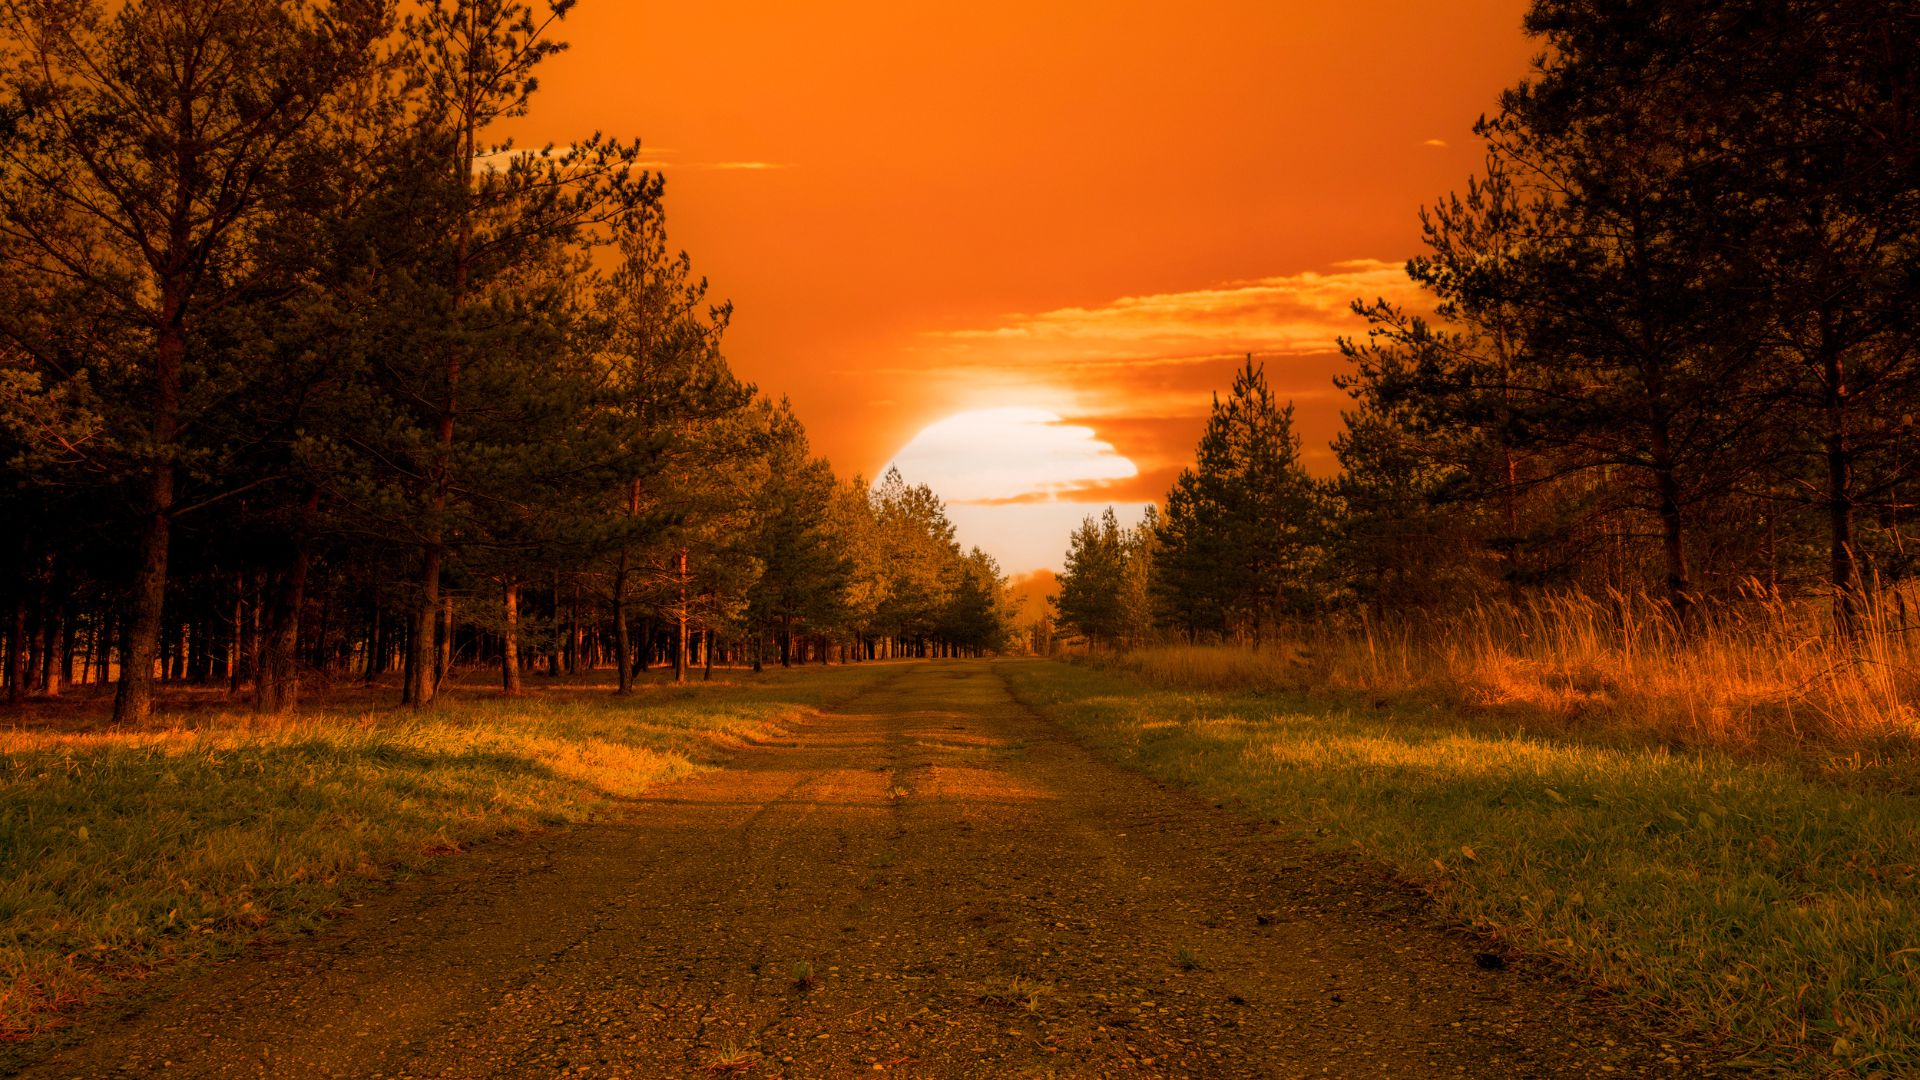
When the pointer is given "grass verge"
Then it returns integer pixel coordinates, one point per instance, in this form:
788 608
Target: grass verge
123 851
1775 910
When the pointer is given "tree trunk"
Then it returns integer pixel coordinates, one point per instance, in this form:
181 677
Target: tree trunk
133 699
103 638
276 685
1512 500
422 682
680 650
573 630
421 651
553 640
237 640
53 635
444 665
16 648
1843 570
198 641
706 655
376 640
33 652
510 640
622 636
323 637
1673 543
256 634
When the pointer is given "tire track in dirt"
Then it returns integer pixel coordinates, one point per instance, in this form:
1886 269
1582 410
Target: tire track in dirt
976 895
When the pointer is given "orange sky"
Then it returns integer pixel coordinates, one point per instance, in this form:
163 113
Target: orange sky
1088 208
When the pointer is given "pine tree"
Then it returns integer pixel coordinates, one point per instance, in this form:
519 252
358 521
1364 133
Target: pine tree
1140 556
918 539
146 140
805 574
1093 585
976 619
1243 539
683 439
476 60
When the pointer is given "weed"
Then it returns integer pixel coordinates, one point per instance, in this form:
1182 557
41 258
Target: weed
803 974
1188 959
732 1059
1020 992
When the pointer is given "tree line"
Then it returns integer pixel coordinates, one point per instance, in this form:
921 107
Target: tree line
1667 346
306 371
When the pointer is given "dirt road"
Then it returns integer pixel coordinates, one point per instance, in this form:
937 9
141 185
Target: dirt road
975 896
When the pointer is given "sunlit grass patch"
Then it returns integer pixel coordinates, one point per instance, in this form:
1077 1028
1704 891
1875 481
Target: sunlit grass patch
124 851
1754 900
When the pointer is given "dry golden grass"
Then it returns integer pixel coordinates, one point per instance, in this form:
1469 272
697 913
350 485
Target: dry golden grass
1763 673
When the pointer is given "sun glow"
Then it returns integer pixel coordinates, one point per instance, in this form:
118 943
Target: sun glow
1016 479
1015 454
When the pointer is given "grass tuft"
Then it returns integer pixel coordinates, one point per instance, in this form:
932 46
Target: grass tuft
1019 992
732 1059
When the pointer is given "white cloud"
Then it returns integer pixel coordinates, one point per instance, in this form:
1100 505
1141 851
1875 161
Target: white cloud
1288 315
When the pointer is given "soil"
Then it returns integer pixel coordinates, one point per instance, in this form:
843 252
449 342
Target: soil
931 881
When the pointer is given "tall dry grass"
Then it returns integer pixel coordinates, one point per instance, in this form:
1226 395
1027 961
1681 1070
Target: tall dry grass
1760 671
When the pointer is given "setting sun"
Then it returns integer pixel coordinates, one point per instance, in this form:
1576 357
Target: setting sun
1015 479
1010 455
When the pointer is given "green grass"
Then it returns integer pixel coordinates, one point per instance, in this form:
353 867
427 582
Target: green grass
1754 902
121 852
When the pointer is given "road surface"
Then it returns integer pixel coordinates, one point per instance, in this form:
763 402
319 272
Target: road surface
972 895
